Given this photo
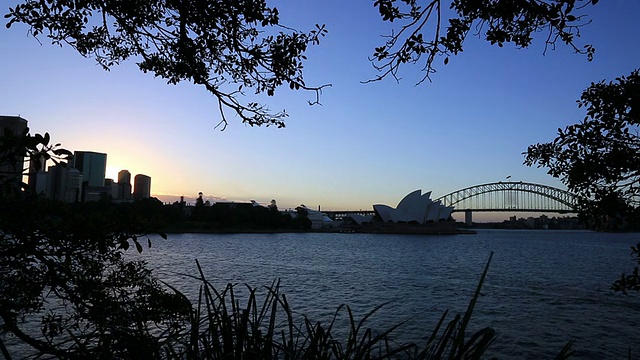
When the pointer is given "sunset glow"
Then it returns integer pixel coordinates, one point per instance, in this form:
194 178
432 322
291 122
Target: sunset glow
366 144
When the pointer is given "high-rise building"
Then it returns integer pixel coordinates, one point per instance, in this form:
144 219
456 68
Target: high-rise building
93 166
124 185
64 183
113 188
35 167
41 182
141 187
124 177
12 171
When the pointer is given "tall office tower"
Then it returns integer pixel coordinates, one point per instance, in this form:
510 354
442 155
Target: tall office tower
124 177
124 185
41 182
73 186
113 188
141 187
35 167
93 166
64 184
12 171
56 178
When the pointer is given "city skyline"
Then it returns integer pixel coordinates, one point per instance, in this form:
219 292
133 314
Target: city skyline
366 144
80 177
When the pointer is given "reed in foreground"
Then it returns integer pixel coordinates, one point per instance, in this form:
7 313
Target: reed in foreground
222 328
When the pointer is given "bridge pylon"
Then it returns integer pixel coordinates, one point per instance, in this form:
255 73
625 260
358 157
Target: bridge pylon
468 217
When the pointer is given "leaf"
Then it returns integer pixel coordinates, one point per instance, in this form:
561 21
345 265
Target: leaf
446 60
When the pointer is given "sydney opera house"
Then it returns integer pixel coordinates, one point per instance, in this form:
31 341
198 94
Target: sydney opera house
416 213
414 208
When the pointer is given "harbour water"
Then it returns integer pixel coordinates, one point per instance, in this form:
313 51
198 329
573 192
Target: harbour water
543 288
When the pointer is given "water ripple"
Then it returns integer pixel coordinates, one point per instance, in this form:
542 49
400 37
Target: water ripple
543 288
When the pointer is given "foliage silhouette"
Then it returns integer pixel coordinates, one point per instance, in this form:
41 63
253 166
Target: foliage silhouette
629 282
598 157
423 36
229 47
599 160
221 45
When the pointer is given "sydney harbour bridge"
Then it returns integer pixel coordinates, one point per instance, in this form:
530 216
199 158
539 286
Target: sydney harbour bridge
501 196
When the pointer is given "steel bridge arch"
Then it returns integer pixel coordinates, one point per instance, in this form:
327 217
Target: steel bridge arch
563 197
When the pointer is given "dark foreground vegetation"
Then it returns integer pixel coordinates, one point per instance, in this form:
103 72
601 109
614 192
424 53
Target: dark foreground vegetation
229 217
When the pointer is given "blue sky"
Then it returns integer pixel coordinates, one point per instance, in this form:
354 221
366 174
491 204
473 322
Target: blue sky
366 143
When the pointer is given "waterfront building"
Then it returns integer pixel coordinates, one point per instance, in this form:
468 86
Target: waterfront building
141 187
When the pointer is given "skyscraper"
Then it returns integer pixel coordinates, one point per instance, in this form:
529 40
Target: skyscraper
124 185
124 177
141 187
64 183
93 166
12 171
36 166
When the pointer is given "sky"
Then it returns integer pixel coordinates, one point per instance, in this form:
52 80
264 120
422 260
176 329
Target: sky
365 144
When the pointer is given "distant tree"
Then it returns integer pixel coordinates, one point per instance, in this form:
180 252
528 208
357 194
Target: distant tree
230 46
199 201
273 206
199 210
